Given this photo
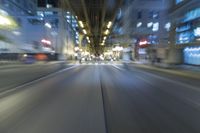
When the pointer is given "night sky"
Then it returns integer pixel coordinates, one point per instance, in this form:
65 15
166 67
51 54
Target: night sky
42 3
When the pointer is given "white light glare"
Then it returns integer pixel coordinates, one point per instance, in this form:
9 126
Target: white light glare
81 24
168 26
4 21
109 25
48 25
150 24
197 31
84 31
107 32
139 24
76 48
155 26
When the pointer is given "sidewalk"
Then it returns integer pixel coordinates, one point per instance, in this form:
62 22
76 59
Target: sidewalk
181 70
15 64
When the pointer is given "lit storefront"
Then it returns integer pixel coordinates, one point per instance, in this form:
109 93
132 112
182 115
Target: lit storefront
192 55
188 37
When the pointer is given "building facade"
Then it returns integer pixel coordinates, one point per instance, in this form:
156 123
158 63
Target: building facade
185 34
147 24
40 30
19 7
61 30
16 11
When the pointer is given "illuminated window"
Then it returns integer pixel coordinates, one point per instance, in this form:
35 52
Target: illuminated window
155 27
197 32
139 24
168 26
150 24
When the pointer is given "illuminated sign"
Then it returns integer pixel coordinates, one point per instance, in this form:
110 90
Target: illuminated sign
143 42
191 15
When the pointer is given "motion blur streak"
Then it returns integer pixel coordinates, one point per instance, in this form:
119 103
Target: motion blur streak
103 99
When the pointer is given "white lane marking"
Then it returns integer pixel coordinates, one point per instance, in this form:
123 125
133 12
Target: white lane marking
117 67
37 80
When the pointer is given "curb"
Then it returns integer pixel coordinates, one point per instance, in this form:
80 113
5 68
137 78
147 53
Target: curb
185 73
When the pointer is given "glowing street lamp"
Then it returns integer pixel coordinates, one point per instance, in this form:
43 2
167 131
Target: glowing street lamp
107 32
109 25
76 49
103 43
84 31
81 24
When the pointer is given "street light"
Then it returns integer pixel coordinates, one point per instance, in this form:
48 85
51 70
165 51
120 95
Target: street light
107 32
102 44
84 31
81 24
109 25
76 49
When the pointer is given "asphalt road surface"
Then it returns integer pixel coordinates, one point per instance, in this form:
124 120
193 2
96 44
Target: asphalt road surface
102 99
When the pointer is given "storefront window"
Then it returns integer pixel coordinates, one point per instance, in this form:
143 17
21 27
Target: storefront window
197 32
188 33
183 28
152 39
185 37
192 55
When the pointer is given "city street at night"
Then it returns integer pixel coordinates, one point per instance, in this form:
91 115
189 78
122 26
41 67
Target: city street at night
109 98
99 66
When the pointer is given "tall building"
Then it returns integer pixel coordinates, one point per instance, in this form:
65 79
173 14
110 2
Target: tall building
19 7
147 24
41 30
61 30
18 10
185 34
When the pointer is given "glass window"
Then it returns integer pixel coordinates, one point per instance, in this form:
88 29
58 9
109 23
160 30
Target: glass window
139 24
197 32
153 14
155 27
185 37
139 15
